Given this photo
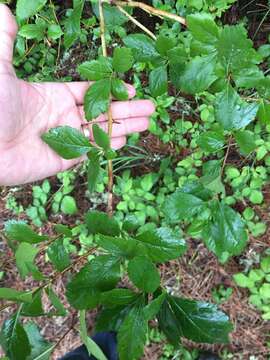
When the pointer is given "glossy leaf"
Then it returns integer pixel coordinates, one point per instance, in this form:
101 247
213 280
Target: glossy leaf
96 69
32 31
181 205
203 28
73 24
19 231
68 205
122 59
225 234
211 141
101 137
57 304
158 81
143 273
245 140
101 274
118 297
93 171
97 99
165 42
15 295
143 47
152 309
232 112
100 223
58 255
25 256
34 308
40 348
67 142
119 89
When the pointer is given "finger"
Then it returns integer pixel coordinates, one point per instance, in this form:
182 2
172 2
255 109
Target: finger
126 110
118 143
8 31
79 88
123 127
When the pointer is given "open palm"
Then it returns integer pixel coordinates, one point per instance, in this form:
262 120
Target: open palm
27 110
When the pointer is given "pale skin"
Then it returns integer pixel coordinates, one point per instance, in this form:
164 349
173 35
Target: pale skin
27 110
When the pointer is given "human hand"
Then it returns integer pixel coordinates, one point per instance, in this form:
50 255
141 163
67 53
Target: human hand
27 110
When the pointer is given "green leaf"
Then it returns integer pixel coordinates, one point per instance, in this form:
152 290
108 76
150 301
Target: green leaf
68 205
211 141
54 31
203 28
40 348
25 256
100 223
101 137
235 50
158 81
19 231
143 273
130 346
122 247
59 307
96 69
32 31
25 8
226 232
92 347
232 112
160 245
152 309
93 171
211 178
198 75
243 281
165 42
113 17
101 274
111 319
14 340
119 89
15 295
67 142
264 112
73 24
122 59
197 321
58 255
97 99
180 205
118 297
143 47
35 307
63 230
245 140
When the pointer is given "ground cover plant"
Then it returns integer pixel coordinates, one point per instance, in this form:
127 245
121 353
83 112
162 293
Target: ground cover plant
203 184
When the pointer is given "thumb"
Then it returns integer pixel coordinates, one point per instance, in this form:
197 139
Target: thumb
8 31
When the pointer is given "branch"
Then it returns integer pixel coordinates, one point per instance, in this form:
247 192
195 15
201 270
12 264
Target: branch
151 10
136 22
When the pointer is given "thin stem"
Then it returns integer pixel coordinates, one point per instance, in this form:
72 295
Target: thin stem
110 119
151 10
226 155
136 22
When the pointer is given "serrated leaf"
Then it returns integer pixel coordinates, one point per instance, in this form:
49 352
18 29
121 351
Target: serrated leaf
25 256
165 42
25 8
197 321
32 31
158 81
198 74
15 295
93 171
143 47
57 304
160 245
68 205
14 339
118 297
152 309
264 112
226 232
67 142
101 274
34 308
97 99
119 89
203 28
96 69
101 137
180 205
232 112
143 273
100 223
211 141
73 24
117 246
19 231
122 59
58 255
54 31
63 230
130 347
